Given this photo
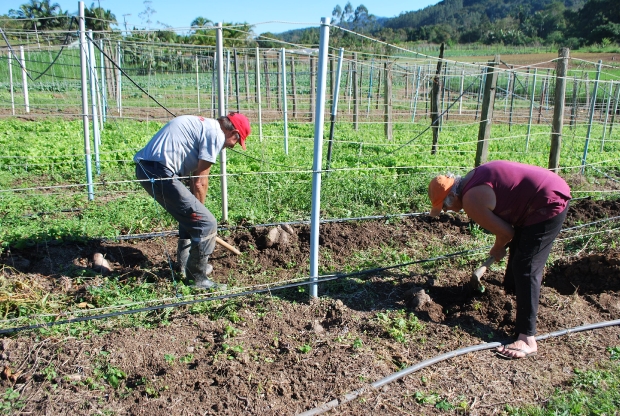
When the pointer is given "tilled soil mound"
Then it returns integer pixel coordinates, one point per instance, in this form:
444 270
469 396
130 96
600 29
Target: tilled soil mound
280 354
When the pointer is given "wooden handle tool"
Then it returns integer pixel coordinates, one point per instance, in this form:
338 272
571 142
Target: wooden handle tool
227 246
474 281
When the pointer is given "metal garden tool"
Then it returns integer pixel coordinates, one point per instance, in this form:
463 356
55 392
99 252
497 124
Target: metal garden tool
475 281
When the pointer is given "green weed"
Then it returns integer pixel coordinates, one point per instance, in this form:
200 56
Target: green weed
399 325
305 348
10 402
593 392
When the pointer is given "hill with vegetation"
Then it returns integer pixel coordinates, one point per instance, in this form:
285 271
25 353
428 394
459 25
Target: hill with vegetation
571 23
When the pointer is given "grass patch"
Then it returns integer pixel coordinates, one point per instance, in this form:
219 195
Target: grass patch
591 392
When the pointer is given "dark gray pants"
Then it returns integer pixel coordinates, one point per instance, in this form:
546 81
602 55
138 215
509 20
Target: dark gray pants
195 221
527 254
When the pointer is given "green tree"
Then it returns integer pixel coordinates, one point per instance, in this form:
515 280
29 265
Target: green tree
40 15
597 20
99 19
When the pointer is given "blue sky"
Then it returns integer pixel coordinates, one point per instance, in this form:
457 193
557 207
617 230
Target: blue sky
180 13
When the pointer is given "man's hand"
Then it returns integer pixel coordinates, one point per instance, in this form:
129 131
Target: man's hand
199 184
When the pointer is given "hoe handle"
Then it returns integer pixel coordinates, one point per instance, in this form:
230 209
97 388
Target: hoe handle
227 246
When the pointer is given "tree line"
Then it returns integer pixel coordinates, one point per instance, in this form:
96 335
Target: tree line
571 23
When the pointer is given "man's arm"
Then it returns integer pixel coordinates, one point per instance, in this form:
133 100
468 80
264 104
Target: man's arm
479 203
199 183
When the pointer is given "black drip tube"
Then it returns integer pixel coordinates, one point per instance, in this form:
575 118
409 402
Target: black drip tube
402 373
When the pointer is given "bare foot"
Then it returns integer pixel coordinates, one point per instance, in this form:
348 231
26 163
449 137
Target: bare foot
523 347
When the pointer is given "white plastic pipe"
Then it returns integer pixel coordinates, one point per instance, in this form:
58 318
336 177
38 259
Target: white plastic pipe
24 79
11 83
284 108
529 123
119 97
221 103
197 85
84 75
93 100
315 216
591 117
258 99
104 91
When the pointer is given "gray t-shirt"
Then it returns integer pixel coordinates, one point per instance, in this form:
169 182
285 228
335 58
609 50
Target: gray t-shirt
181 142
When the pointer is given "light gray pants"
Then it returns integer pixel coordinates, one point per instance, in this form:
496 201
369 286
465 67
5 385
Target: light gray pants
195 221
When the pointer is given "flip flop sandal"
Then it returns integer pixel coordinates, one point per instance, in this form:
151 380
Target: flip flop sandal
508 357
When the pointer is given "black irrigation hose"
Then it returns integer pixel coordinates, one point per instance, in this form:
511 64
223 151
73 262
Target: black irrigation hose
129 78
273 224
64 43
321 279
395 376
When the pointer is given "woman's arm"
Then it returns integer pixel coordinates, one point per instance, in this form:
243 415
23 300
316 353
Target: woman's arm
479 203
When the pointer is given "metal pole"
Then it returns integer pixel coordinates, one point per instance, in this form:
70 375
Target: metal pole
315 215
213 84
258 100
222 112
97 89
417 90
11 83
482 82
613 114
592 108
93 100
227 82
104 95
372 64
197 85
84 74
119 99
356 101
611 89
236 69
529 123
334 108
461 92
24 79
284 107
512 100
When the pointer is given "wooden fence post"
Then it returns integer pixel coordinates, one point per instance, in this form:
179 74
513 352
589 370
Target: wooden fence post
388 100
486 115
435 101
558 109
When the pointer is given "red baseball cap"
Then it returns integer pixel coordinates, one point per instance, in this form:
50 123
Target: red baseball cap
242 125
438 190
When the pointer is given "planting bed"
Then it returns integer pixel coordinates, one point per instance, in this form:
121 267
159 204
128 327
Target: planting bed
278 353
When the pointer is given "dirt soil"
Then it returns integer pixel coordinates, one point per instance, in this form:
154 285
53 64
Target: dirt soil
279 353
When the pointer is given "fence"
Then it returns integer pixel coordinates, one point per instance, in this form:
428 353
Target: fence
382 136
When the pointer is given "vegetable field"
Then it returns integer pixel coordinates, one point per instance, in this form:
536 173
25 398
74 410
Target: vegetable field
393 292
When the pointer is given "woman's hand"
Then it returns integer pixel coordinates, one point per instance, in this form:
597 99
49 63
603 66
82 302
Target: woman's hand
498 252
